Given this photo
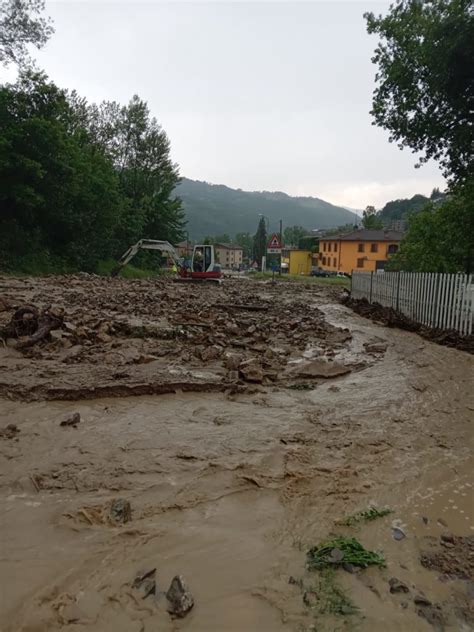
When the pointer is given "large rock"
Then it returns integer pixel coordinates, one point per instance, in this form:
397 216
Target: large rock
319 368
180 599
145 583
397 586
211 353
72 420
251 371
120 510
232 361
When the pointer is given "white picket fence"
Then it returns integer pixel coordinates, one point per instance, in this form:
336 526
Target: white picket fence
442 301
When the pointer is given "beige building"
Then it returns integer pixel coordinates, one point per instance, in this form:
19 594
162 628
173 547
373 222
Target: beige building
184 249
229 255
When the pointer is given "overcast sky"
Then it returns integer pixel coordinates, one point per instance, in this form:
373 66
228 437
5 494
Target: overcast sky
272 96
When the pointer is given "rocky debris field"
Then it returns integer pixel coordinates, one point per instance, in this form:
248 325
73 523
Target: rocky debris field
116 337
248 457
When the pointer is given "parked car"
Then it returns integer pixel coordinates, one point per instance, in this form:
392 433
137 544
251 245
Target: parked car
340 275
320 273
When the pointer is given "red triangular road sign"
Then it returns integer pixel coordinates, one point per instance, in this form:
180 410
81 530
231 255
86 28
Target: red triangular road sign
274 241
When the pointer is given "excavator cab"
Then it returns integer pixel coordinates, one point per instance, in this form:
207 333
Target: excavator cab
203 265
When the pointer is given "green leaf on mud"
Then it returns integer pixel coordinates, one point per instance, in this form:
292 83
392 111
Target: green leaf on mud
342 550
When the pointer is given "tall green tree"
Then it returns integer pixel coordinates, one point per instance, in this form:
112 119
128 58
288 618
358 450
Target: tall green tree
59 197
260 242
140 151
425 80
292 235
370 219
22 24
425 99
440 237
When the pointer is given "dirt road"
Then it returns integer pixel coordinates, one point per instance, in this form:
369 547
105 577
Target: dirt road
243 424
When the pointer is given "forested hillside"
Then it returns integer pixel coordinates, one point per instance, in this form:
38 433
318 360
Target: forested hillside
212 209
400 209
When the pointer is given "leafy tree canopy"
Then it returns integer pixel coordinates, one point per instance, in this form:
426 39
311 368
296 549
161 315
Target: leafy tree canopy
425 80
80 183
22 24
292 235
371 219
440 238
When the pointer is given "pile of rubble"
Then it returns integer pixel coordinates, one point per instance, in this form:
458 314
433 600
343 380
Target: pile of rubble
244 331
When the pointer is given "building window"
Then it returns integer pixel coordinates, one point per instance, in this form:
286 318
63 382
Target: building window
334 262
329 247
360 263
392 249
324 261
361 248
374 247
335 246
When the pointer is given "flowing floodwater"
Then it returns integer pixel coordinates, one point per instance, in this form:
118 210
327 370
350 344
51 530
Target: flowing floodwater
231 489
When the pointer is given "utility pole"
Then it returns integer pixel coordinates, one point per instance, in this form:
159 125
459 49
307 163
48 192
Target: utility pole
281 246
267 228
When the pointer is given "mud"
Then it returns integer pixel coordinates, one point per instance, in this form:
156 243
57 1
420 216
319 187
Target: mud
392 318
230 485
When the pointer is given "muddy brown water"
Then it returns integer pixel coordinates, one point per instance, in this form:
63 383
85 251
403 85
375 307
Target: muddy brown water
230 490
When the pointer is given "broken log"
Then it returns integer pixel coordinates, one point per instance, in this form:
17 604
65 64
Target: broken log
46 322
28 321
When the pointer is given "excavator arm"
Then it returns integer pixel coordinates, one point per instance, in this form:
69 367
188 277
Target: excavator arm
146 244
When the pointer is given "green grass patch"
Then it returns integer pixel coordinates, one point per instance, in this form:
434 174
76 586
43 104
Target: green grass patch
365 516
128 272
342 550
39 264
299 278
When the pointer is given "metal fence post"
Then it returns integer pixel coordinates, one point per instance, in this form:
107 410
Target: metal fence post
371 280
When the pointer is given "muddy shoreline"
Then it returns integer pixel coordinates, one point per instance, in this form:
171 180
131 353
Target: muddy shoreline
391 318
301 413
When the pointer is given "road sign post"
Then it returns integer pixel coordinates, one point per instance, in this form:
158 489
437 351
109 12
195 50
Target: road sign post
274 247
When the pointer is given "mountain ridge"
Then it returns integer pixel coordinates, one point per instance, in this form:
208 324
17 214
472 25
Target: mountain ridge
217 208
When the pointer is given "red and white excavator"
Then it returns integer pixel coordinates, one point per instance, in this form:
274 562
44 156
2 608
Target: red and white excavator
201 267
